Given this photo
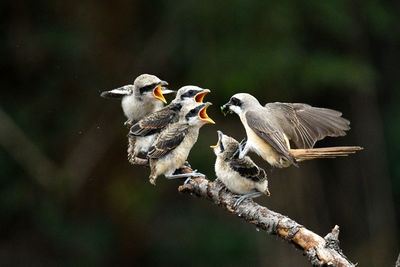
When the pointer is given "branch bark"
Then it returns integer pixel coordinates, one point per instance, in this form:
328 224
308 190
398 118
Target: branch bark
319 251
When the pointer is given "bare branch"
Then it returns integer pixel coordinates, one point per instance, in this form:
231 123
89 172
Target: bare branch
319 251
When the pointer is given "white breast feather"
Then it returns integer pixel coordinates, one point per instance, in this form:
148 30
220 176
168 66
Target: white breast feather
175 159
232 179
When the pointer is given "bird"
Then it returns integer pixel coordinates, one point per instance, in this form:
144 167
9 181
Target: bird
146 129
142 97
172 146
272 129
240 176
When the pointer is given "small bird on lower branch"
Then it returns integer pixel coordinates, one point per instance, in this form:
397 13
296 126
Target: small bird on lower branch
172 146
270 129
240 176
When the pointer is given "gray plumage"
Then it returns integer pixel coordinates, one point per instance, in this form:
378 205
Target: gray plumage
142 97
172 146
156 121
241 176
270 129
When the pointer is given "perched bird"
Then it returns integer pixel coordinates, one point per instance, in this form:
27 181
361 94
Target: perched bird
270 129
142 97
146 129
172 146
240 176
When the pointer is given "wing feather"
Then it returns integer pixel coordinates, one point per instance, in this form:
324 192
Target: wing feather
167 140
269 131
305 125
248 169
155 121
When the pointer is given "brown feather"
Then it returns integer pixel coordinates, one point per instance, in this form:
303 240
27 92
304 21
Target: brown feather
324 152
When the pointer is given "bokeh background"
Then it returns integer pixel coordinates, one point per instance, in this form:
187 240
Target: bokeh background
69 197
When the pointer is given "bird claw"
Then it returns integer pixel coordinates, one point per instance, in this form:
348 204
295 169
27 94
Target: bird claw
249 195
185 175
239 200
243 143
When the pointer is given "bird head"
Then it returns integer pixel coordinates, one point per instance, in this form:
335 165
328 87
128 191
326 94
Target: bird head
145 85
226 146
239 103
196 114
151 86
191 93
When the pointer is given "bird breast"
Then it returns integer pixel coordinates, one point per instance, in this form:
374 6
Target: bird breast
232 179
136 108
177 157
258 145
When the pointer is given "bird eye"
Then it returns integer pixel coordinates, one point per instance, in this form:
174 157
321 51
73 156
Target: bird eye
236 102
189 93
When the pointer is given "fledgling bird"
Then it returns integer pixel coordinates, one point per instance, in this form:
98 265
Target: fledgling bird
270 129
142 97
146 129
172 146
240 176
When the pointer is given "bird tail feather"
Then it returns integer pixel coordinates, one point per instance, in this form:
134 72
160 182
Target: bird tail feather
324 152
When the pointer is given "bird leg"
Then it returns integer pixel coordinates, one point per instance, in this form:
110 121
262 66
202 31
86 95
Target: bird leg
243 148
249 195
153 175
185 175
132 158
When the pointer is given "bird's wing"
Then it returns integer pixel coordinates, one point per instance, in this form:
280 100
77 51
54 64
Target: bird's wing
154 122
259 121
305 125
246 168
167 140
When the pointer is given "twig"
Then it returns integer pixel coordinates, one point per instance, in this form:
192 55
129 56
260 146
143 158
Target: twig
398 261
319 251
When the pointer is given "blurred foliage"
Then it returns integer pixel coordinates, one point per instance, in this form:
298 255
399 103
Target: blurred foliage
96 209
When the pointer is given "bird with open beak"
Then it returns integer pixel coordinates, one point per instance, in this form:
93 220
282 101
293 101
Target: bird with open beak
271 129
146 129
240 176
172 146
144 96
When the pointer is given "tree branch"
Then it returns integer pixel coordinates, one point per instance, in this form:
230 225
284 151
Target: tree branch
319 251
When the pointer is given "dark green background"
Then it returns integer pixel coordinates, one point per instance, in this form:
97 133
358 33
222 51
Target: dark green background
68 196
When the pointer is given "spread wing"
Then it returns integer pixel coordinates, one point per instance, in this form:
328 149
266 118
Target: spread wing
262 123
154 122
167 140
305 125
246 168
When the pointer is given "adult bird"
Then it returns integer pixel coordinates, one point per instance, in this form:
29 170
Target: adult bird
270 129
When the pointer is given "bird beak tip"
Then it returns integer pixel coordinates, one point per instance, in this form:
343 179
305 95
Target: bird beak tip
157 93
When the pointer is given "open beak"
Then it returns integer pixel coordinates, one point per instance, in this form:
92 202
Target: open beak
200 96
157 93
117 93
219 140
165 90
203 115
